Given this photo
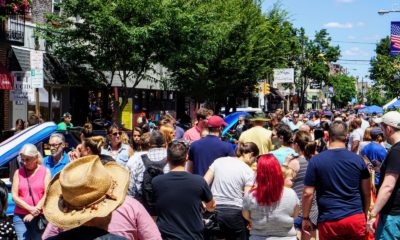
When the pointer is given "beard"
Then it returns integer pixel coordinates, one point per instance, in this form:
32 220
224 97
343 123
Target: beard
55 154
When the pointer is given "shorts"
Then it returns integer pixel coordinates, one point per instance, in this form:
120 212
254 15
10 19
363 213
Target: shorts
352 227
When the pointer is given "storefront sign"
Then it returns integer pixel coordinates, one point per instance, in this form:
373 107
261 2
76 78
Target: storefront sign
23 90
6 79
284 75
36 63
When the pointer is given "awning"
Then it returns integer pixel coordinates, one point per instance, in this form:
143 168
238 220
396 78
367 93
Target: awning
23 57
276 93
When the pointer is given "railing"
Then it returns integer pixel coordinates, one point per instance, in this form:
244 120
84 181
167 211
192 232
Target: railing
12 29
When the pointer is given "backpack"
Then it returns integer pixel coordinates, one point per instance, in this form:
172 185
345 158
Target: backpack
152 170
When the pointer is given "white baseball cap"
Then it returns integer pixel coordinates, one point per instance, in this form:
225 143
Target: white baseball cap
391 118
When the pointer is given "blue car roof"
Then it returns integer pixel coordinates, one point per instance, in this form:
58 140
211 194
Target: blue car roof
9 148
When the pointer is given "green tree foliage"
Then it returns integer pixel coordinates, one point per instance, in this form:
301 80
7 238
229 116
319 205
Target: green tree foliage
344 89
109 40
314 60
220 50
385 71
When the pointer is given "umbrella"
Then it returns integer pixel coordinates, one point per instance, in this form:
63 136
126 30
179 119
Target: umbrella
359 106
371 109
394 105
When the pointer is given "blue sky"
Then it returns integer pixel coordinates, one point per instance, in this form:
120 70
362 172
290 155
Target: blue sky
354 25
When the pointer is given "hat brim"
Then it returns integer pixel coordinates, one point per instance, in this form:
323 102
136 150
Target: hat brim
53 207
259 119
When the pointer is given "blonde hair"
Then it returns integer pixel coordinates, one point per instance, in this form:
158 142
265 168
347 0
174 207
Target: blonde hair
94 143
168 132
124 138
288 172
31 150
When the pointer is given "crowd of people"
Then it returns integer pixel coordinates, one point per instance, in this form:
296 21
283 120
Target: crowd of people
320 174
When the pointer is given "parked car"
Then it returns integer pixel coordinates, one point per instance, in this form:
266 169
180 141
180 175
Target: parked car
38 135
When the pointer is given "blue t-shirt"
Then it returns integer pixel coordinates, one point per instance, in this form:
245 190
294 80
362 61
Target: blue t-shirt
336 175
55 168
375 152
282 152
203 152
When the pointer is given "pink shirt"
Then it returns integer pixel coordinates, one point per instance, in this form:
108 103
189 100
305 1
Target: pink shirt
37 182
130 220
192 134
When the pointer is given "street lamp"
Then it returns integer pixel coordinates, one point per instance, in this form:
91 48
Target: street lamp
383 11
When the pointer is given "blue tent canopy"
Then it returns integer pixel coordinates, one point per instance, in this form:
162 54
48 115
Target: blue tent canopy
394 105
371 109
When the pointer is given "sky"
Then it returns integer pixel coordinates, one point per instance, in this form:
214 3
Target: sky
354 25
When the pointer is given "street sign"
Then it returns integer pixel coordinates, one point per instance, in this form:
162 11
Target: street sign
23 90
283 75
36 63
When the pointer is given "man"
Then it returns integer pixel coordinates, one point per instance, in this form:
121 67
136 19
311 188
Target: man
83 181
364 123
204 151
342 183
66 123
258 134
178 196
57 159
387 204
375 152
194 133
157 153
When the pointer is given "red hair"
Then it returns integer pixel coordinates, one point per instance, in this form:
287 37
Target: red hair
269 180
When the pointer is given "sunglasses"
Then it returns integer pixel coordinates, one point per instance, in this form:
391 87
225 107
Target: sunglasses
55 145
116 133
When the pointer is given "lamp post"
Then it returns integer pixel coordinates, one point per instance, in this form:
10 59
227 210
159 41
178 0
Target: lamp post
383 11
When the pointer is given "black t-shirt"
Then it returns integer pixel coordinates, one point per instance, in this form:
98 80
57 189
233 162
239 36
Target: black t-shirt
392 165
178 198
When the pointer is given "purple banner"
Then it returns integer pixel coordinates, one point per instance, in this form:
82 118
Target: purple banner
394 38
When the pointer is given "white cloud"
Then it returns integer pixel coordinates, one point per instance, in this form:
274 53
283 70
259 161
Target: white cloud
338 25
351 37
344 1
355 52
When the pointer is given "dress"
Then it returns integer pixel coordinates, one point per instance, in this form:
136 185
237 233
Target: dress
7 231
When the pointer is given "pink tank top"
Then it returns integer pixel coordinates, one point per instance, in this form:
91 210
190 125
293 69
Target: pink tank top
37 185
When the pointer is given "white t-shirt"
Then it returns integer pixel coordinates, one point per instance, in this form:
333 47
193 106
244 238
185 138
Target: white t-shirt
231 175
355 135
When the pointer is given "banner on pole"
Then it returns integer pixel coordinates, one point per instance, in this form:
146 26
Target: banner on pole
394 38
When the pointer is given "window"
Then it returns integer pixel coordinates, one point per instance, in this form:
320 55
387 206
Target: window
56 7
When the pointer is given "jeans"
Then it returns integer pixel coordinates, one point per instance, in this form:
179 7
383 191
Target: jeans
26 230
231 222
388 227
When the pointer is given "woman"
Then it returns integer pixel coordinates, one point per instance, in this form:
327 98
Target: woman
269 206
168 131
306 148
356 135
19 126
366 139
136 134
7 230
28 192
115 148
230 178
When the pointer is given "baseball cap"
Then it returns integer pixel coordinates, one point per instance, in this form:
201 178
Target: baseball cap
67 114
376 131
216 121
391 118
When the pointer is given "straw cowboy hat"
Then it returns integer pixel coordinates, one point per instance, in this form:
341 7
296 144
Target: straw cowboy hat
83 190
259 116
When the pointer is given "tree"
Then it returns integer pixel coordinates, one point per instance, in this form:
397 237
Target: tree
313 61
344 89
385 70
108 40
232 47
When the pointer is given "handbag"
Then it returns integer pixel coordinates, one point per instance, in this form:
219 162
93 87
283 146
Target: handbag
210 222
41 221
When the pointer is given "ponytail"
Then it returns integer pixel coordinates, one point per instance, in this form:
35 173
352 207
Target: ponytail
309 149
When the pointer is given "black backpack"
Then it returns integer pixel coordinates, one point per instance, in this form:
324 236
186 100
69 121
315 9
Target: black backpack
152 170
